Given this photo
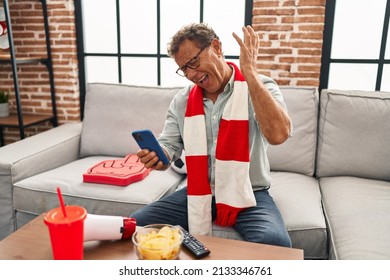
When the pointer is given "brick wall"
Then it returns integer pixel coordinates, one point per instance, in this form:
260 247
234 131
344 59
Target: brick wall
290 52
29 40
291 39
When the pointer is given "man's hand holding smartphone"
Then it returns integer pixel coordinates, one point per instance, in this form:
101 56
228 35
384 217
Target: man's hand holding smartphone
151 160
151 153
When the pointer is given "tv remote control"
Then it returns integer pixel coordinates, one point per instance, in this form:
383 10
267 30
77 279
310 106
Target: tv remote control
194 245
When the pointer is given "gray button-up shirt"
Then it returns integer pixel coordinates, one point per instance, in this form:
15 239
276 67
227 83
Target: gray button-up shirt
172 136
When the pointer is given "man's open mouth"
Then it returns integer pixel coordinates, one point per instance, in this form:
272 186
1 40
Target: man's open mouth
204 79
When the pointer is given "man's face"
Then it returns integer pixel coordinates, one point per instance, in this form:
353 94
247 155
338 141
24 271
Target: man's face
209 74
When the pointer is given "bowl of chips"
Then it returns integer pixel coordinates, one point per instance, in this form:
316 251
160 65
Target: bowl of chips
158 242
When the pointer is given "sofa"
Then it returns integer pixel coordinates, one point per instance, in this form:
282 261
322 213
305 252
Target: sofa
331 180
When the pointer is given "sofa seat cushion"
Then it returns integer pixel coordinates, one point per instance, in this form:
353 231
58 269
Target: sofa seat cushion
299 200
357 212
38 194
225 232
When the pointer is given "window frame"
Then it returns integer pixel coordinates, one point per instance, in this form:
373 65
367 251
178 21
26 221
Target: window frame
327 47
81 54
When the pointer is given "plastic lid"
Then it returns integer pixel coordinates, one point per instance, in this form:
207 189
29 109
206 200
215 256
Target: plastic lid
73 214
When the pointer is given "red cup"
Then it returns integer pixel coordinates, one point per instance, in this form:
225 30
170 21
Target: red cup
66 233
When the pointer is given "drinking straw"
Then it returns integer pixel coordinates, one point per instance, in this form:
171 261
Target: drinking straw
61 202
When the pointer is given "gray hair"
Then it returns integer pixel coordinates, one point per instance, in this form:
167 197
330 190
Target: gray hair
200 33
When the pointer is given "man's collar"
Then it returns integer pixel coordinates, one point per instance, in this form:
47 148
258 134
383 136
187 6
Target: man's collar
229 85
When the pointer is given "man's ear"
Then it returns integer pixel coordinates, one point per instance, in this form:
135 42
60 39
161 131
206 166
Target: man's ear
217 46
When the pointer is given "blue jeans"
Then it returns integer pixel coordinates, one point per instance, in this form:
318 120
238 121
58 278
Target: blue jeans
261 224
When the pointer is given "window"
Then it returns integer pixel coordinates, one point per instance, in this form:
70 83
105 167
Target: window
356 49
123 41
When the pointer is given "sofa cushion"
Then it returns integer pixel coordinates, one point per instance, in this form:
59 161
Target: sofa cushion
357 210
113 111
298 198
37 194
297 154
354 134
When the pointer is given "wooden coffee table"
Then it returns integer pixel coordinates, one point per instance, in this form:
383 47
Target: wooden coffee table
32 242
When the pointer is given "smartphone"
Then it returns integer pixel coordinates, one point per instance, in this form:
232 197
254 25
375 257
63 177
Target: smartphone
146 140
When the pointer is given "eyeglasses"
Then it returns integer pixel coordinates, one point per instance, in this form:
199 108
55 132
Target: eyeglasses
193 63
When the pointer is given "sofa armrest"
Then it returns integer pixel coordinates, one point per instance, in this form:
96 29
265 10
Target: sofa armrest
41 152
32 156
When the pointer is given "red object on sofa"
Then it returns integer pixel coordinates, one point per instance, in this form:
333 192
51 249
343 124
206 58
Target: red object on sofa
120 172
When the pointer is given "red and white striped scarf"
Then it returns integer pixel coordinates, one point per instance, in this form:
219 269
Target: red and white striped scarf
233 189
